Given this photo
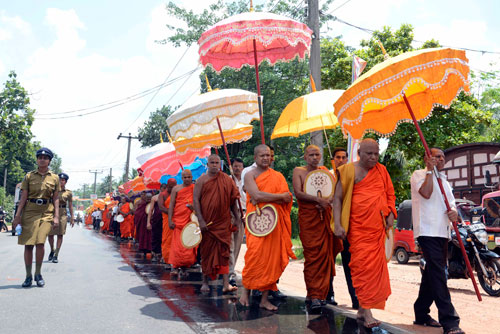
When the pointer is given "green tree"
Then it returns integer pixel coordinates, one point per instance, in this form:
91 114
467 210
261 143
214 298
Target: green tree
155 127
16 146
55 164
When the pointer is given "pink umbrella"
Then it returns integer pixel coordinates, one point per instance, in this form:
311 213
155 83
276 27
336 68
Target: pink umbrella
169 162
250 38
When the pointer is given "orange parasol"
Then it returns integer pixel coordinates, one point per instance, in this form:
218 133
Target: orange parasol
410 84
428 77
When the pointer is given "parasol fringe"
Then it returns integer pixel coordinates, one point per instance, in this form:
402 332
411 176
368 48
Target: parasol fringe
401 74
407 120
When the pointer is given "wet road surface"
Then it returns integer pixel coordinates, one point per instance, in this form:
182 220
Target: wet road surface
217 313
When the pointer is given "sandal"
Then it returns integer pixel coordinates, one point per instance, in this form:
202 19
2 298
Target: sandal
454 330
428 323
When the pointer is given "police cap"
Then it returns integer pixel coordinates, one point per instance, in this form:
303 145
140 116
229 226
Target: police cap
45 151
64 176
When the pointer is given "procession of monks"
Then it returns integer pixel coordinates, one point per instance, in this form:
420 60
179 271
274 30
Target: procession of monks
357 216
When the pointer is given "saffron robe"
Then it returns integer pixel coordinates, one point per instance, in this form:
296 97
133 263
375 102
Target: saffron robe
105 220
180 256
166 239
156 229
267 257
127 225
364 204
217 195
320 248
143 235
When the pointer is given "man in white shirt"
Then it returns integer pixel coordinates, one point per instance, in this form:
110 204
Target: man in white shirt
97 219
431 228
237 236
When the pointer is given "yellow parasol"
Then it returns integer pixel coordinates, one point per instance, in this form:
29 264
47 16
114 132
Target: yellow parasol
308 113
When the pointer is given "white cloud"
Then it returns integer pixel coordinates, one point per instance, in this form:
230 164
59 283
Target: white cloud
12 23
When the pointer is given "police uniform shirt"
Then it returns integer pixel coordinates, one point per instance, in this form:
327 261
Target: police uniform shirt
37 219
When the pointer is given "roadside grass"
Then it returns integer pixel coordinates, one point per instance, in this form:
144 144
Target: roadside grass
299 251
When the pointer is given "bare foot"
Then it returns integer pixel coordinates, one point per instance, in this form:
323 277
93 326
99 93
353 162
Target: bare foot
205 288
370 321
244 298
229 289
266 304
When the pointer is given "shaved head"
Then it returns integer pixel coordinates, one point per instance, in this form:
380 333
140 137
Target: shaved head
311 147
213 156
186 172
368 153
260 147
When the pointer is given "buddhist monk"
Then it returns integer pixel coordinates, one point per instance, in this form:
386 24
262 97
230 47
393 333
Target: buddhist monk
105 219
319 244
156 222
215 195
163 204
363 210
143 230
127 225
266 257
179 214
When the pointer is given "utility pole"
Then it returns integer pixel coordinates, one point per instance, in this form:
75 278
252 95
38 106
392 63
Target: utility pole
315 59
84 187
5 179
111 180
95 172
129 137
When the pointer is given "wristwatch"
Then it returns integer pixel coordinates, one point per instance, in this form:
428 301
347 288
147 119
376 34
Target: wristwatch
429 172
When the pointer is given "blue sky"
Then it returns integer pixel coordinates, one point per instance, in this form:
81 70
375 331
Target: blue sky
79 54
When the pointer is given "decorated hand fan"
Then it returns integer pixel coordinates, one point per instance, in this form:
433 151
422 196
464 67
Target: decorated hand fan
262 221
120 218
191 235
319 183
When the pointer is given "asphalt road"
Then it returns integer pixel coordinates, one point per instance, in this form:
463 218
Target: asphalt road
104 287
90 290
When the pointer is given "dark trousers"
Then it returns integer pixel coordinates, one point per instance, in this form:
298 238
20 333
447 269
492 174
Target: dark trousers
97 224
116 228
433 287
346 258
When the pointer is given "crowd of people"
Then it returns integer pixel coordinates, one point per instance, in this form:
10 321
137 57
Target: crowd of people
352 222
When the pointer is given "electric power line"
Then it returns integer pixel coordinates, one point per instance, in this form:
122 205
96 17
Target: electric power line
345 3
152 98
124 101
370 31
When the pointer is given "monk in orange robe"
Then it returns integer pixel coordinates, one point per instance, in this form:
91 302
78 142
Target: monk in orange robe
179 214
215 195
163 204
364 210
266 257
319 244
127 225
105 219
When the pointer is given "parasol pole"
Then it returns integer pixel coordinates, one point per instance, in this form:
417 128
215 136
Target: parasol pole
448 207
229 162
313 89
259 97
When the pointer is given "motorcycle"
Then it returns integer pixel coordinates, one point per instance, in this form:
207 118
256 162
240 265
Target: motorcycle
484 262
3 225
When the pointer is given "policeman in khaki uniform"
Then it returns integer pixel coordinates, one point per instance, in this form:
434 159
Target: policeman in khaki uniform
65 200
38 213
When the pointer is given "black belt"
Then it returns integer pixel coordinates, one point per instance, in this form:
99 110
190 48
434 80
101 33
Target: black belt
40 201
